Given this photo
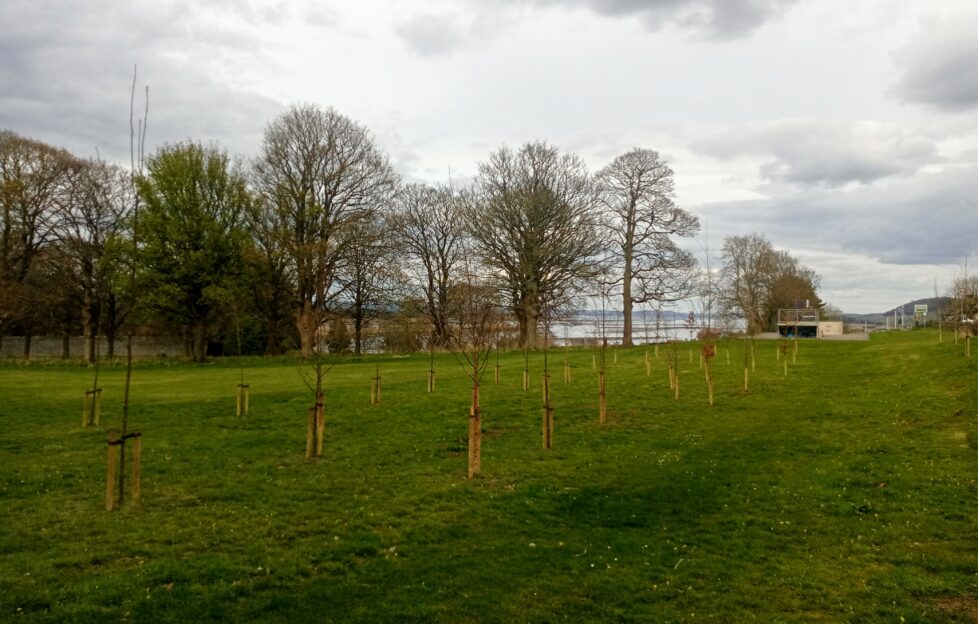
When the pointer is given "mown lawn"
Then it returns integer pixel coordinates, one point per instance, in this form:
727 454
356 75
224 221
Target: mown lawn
845 492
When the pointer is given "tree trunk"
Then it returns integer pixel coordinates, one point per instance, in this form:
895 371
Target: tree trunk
188 342
200 341
358 330
110 342
272 343
626 301
475 425
305 321
529 320
89 324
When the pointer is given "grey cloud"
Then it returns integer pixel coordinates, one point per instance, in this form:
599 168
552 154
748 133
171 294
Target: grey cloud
713 19
929 218
432 35
940 67
67 75
828 154
440 34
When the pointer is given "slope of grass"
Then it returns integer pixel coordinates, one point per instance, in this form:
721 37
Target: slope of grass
844 492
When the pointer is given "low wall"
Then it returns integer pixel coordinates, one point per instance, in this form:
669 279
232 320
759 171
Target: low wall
51 346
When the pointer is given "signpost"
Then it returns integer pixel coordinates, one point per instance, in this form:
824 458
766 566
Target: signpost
919 313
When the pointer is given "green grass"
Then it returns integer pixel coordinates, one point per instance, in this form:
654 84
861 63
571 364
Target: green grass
844 493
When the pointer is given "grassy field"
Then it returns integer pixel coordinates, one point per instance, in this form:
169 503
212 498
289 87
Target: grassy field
845 492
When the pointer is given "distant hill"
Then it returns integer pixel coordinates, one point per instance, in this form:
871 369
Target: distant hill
879 318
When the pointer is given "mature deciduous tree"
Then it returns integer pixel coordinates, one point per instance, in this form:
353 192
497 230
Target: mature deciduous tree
33 190
92 227
758 280
320 175
747 264
636 191
429 223
371 275
792 285
535 221
268 279
192 236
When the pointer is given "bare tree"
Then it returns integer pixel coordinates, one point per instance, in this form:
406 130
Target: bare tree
473 332
92 228
534 219
636 191
757 280
746 273
371 275
33 189
429 223
320 175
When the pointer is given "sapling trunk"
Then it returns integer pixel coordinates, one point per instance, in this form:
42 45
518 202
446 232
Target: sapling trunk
602 398
475 424
709 381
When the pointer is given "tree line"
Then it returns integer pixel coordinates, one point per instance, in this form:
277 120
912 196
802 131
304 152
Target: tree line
318 230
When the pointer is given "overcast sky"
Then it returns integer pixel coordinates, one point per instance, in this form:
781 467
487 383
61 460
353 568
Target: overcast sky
847 132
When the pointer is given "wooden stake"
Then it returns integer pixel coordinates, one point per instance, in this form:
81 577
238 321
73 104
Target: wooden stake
691 356
967 345
137 459
657 349
727 353
112 475
92 410
746 377
497 373
567 371
431 380
242 400
311 433
375 390
594 362
785 367
548 414
526 379
701 361
614 353
676 388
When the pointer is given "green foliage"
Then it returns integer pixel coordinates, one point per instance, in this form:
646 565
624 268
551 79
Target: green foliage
191 234
844 493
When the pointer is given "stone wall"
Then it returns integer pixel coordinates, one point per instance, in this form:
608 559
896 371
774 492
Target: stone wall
51 346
